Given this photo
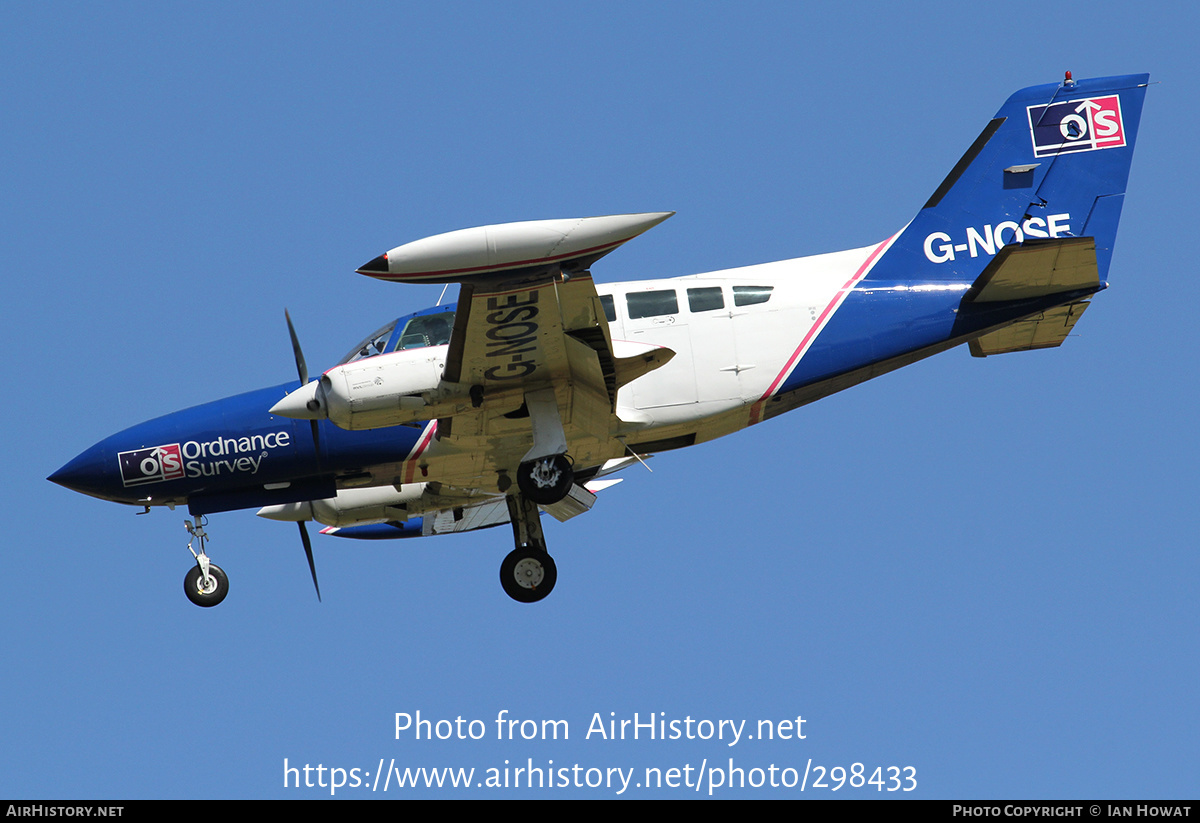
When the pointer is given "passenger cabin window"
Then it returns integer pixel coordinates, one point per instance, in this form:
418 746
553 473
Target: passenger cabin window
651 303
706 299
428 330
610 307
749 295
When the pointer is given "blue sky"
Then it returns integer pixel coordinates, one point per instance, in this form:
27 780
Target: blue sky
981 569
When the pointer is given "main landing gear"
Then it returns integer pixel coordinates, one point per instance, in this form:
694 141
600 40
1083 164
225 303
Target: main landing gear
546 480
544 477
528 573
545 474
205 583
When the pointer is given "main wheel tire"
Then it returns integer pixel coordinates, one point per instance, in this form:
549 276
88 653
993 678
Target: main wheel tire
198 593
528 575
546 480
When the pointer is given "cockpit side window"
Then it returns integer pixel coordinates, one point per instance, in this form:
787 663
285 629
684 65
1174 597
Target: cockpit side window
428 330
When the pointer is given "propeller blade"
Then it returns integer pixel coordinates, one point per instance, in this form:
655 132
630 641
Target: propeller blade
312 567
301 367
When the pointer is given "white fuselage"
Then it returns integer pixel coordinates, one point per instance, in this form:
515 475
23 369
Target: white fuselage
736 335
727 358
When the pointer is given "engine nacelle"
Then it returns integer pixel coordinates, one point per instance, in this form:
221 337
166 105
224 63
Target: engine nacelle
384 390
352 507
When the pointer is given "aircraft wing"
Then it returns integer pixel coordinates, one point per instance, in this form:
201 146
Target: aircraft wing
490 511
530 371
509 342
495 511
530 339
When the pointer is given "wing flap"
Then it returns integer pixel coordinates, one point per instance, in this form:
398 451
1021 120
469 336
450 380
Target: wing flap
494 512
577 501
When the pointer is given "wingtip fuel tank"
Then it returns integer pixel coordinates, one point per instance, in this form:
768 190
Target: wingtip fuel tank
487 250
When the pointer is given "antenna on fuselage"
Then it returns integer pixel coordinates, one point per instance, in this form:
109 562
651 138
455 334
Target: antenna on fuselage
637 456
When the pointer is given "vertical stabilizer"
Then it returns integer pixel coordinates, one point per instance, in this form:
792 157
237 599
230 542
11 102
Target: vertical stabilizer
1049 167
1053 162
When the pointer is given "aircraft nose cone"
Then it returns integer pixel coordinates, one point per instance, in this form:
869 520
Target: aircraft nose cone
87 473
377 266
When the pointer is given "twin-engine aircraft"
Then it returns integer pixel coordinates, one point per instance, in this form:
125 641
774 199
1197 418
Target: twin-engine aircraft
530 392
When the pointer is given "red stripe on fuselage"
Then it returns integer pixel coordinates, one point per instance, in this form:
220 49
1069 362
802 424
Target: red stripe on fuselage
418 450
838 298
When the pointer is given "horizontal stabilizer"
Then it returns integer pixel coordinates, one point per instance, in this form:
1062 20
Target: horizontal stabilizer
1044 330
1037 268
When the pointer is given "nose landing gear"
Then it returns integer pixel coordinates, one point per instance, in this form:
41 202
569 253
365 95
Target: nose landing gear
206 583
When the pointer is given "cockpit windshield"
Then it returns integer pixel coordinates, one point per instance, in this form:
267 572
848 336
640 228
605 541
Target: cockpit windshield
416 332
375 343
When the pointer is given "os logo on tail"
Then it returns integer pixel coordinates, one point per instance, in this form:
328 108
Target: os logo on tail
1079 125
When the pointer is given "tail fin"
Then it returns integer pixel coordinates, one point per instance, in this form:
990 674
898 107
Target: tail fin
1050 166
1052 163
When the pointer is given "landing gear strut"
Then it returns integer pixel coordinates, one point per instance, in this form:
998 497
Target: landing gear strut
206 583
545 474
528 573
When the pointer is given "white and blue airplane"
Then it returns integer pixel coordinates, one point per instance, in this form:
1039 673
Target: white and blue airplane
526 395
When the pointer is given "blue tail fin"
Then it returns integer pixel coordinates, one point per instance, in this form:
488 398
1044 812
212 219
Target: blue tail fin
1052 163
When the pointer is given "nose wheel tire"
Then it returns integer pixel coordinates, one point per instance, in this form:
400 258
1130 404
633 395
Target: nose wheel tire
206 593
528 575
546 480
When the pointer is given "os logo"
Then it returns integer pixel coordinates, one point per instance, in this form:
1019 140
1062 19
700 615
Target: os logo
151 465
1079 125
